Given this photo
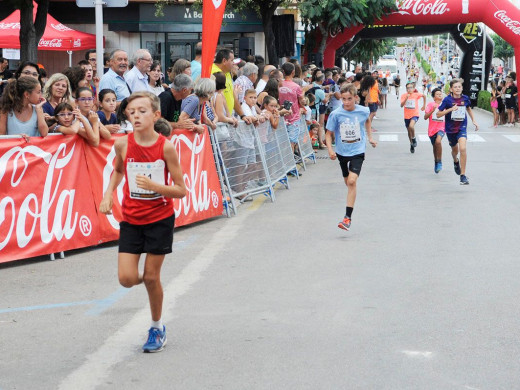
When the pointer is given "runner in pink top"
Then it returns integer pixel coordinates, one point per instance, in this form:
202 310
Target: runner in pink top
435 128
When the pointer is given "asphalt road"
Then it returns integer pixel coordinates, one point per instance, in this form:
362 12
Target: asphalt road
422 293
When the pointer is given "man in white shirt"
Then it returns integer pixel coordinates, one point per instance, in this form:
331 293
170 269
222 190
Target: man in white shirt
137 77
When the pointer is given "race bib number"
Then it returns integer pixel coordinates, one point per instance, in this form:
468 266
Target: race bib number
434 116
152 170
350 132
459 114
508 96
410 103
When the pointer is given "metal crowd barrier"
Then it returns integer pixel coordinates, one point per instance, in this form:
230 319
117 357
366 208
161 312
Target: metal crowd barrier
305 144
285 149
250 161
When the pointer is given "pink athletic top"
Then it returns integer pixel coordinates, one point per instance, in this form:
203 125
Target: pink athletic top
435 124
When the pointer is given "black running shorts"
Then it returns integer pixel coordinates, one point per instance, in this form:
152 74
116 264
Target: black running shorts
351 164
155 238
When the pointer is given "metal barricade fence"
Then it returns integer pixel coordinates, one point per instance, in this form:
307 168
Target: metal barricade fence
222 133
305 143
286 151
243 159
273 154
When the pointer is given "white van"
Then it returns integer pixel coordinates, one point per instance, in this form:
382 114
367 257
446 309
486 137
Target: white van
385 64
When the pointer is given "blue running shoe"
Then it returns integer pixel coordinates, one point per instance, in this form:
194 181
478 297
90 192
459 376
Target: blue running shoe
464 180
438 166
156 340
456 167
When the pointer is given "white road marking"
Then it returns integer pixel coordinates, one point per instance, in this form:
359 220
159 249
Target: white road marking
123 343
423 354
388 137
513 137
475 138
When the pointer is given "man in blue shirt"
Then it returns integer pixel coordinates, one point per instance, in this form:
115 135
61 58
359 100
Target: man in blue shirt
351 126
196 67
113 79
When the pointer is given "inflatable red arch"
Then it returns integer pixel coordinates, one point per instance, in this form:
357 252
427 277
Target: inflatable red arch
500 15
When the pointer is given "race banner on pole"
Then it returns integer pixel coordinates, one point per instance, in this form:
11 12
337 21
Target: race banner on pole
212 14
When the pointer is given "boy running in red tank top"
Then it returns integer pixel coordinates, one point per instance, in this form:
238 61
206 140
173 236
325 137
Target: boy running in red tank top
145 158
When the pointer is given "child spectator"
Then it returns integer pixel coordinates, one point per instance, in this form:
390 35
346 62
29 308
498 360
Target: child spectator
107 113
122 118
21 110
384 92
85 104
313 133
308 111
70 121
163 127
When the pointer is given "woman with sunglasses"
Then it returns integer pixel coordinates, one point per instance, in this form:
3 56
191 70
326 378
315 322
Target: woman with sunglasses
29 69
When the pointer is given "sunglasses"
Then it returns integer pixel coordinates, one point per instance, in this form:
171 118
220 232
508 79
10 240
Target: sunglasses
29 73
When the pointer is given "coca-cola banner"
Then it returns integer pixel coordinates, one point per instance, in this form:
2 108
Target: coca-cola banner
46 204
212 14
501 16
50 190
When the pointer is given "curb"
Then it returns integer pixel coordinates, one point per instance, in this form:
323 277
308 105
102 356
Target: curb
482 110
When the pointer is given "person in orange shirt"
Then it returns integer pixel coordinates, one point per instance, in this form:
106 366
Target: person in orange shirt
410 102
372 98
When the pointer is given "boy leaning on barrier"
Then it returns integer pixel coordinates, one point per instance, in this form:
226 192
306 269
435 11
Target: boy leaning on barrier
145 158
351 127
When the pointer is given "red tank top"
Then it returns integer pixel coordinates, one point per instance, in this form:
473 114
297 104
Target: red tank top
141 207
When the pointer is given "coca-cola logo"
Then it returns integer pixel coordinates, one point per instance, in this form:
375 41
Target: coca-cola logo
198 196
513 25
60 27
421 7
50 43
77 42
35 211
10 26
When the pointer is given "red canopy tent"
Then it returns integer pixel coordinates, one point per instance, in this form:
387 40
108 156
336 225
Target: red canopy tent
56 37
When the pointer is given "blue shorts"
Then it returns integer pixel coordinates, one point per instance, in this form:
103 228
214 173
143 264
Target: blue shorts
407 121
373 107
434 137
293 131
453 138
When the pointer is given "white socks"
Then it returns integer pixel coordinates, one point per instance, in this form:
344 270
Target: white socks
158 325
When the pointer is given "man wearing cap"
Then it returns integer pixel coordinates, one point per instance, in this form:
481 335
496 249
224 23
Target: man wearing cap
350 76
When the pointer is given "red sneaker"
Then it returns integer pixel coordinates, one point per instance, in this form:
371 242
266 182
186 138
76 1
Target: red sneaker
345 224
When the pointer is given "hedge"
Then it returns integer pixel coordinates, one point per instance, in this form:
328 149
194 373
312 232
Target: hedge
484 100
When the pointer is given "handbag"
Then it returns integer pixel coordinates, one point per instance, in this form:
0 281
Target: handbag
222 132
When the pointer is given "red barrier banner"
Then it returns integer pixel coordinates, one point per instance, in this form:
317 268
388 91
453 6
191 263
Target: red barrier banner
46 204
50 190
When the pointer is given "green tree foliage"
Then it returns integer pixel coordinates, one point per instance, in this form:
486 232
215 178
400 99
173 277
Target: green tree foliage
334 15
369 50
503 50
31 30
